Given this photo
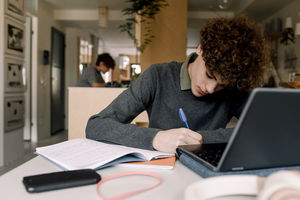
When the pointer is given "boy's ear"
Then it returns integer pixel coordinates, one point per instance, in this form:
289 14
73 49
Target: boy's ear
199 50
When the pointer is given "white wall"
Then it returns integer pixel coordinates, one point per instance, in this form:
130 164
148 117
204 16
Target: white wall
115 51
290 10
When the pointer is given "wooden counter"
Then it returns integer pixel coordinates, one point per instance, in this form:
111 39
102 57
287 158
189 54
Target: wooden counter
85 102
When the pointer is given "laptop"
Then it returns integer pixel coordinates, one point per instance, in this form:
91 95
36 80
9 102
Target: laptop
267 135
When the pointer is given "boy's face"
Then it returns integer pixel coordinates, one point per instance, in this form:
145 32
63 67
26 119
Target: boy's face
102 67
202 81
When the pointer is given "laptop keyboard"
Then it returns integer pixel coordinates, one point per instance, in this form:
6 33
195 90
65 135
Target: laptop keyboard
211 153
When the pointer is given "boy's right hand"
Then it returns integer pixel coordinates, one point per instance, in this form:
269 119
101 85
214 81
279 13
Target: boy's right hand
168 140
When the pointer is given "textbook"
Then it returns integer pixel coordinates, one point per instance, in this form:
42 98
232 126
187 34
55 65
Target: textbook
85 153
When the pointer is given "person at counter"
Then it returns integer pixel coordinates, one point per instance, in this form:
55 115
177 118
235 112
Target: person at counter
211 86
91 76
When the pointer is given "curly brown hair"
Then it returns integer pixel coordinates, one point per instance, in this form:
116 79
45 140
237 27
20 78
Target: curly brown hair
235 49
107 59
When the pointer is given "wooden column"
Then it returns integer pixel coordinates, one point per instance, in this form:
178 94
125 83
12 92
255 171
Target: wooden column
170 30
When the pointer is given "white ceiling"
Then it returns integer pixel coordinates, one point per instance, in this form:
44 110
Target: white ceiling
198 12
87 4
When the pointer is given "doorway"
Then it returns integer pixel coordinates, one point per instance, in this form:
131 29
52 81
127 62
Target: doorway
28 67
57 86
31 57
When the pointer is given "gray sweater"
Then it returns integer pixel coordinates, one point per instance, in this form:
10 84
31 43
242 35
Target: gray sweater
89 76
158 91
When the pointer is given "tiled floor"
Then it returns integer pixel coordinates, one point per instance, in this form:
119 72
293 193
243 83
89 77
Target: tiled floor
30 148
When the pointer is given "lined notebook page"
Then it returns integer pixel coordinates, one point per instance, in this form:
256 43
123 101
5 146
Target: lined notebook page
86 153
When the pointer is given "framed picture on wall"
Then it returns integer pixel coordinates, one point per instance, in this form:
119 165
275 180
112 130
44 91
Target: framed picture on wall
15 75
15 8
14 41
14 110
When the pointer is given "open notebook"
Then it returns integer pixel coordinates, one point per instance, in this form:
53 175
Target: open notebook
85 153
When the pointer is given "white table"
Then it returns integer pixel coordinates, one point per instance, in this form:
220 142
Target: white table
174 183
173 186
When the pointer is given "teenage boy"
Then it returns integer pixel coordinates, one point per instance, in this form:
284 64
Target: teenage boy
211 86
91 76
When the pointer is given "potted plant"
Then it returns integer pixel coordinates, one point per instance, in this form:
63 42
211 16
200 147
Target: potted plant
145 10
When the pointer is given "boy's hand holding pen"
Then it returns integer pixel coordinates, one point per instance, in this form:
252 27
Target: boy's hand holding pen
169 140
183 118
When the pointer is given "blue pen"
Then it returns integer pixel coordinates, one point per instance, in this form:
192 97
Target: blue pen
183 118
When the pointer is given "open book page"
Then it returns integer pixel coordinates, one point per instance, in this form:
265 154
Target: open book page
86 153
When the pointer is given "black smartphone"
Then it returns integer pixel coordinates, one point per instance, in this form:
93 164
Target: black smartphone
60 180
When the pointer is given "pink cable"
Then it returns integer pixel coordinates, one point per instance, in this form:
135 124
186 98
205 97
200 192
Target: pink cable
121 196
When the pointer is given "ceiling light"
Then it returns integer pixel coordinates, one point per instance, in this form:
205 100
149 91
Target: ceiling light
224 4
102 21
